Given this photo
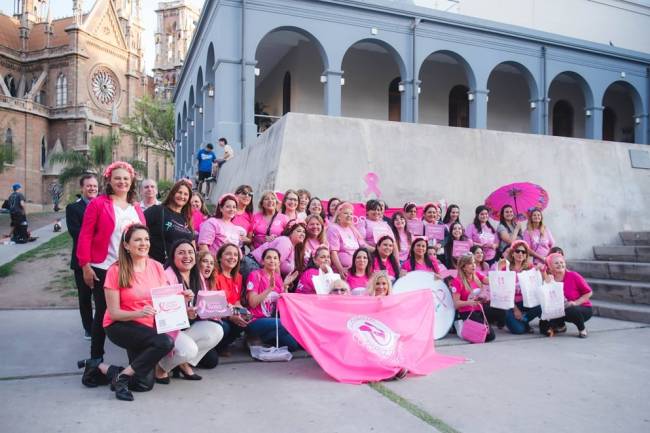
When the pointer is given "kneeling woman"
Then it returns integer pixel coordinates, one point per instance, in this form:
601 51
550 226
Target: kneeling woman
517 260
129 319
193 343
467 303
577 306
263 289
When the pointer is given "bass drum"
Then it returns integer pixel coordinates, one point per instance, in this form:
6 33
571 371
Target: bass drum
443 303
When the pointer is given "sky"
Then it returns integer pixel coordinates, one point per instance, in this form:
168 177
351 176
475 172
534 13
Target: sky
63 8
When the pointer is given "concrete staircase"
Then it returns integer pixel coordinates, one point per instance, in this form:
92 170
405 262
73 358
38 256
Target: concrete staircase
620 278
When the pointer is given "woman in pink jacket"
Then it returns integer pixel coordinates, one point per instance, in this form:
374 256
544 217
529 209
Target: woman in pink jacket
105 219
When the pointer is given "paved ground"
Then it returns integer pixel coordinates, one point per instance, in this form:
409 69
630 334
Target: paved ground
524 383
41 225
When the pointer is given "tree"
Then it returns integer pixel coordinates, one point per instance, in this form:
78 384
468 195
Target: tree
99 156
153 123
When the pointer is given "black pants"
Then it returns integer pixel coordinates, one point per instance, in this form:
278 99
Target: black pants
97 333
144 345
495 316
577 315
85 301
477 316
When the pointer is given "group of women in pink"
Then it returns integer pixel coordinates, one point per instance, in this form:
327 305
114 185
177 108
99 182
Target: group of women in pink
256 254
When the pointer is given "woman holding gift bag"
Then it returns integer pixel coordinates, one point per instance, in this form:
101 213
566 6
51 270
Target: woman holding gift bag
465 289
129 319
481 232
263 289
577 307
434 230
517 260
194 343
538 236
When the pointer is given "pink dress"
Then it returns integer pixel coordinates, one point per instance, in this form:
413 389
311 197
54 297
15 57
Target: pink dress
260 226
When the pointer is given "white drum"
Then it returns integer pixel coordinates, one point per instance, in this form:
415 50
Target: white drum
444 311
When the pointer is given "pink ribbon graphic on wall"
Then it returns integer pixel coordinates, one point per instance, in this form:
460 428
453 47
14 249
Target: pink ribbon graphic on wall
372 183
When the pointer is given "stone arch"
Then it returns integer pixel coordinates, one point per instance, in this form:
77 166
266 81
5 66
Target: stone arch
513 89
439 73
200 109
625 105
365 91
191 123
209 114
573 88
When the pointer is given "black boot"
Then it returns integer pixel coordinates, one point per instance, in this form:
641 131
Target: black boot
121 386
92 377
112 373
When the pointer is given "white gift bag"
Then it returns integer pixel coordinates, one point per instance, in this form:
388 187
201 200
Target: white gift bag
323 280
551 298
502 289
529 282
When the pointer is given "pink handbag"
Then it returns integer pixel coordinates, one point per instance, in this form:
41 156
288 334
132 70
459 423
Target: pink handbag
212 304
473 331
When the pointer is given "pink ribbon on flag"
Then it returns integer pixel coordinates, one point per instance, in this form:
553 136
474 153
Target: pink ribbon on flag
372 180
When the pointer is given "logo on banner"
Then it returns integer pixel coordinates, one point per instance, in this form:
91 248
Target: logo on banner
373 335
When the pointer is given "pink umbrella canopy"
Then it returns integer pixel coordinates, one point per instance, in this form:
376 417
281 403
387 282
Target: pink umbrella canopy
522 196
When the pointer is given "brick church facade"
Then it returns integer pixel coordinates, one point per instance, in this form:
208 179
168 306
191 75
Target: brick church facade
65 80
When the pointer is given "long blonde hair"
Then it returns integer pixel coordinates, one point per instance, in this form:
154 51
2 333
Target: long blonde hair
124 259
463 261
529 224
373 281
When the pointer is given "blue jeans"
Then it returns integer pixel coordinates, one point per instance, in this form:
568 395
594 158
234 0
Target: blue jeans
521 326
264 328
231 332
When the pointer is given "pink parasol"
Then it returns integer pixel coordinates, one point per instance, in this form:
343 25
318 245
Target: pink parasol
522 196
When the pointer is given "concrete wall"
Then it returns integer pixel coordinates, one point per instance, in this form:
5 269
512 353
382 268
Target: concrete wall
593 191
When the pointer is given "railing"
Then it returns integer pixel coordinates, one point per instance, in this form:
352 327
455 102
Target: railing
264 122
24 105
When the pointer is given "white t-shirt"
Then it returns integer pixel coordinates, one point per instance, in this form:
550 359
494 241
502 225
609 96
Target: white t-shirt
123 218
228 152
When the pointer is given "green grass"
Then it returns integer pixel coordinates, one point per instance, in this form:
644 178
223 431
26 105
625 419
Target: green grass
48 249
412 408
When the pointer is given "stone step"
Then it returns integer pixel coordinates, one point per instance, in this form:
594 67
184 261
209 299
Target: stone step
623 253
616 310
635 238
627 271
628 292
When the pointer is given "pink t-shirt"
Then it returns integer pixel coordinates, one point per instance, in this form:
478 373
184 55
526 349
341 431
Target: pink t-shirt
423 266
310 248
215 232
538 243
244 220
486 236
285 248
388 267
344 241
458 287
306 284
197 219
138 296
260 226
404 245
575 286
369 227
355 281
259 281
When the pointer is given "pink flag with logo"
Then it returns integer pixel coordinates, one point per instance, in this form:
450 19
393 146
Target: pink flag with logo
358 339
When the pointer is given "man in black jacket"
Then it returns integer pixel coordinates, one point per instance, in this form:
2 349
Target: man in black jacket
74 213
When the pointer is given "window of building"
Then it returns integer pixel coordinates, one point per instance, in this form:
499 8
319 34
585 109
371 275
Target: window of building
394 100
11 84
43 152
9 143
609 124
562 119
459 106
286 93
61 90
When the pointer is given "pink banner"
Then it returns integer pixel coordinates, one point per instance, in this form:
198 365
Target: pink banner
358 339
461 248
